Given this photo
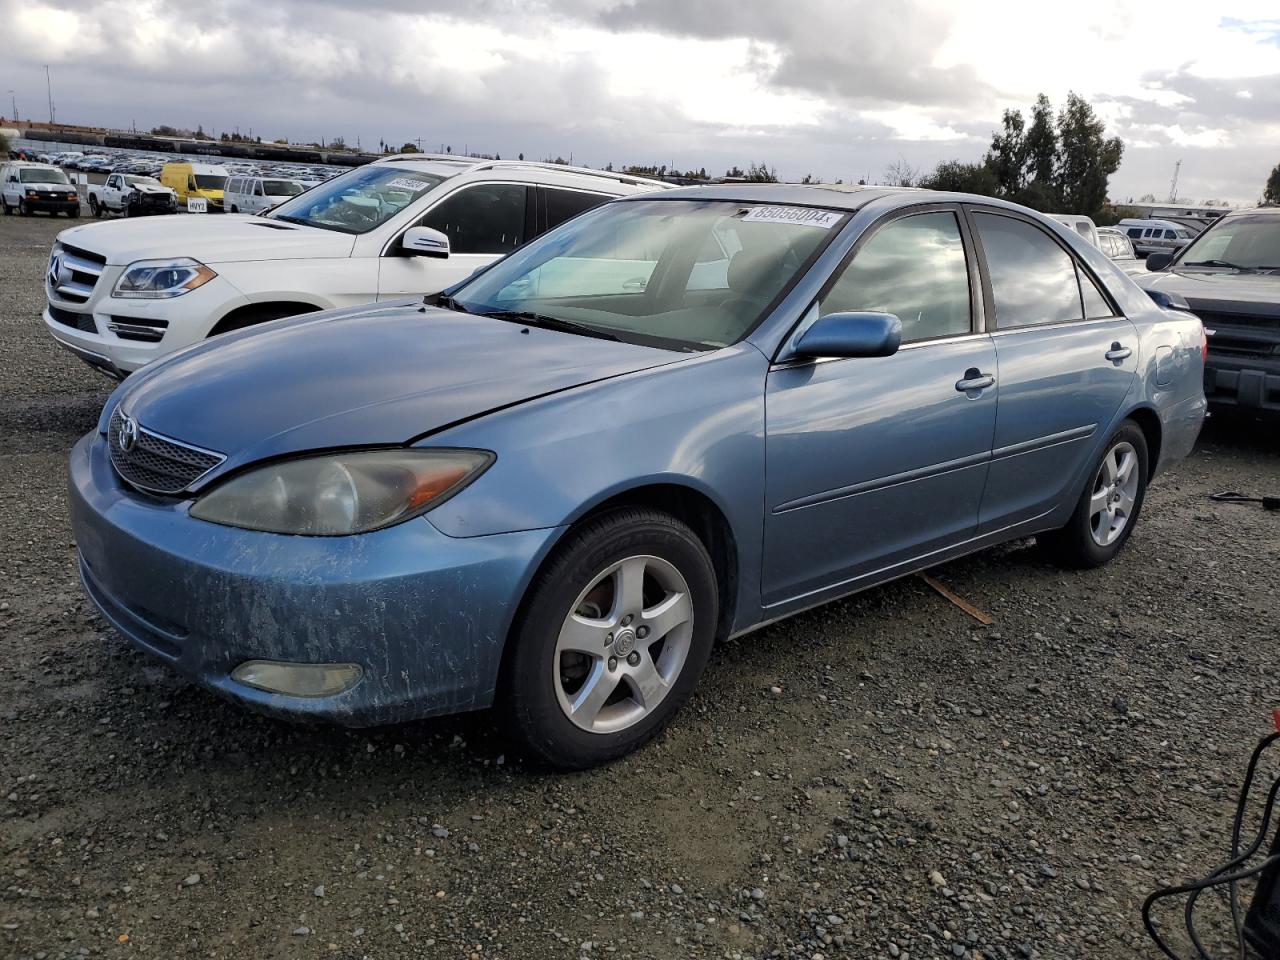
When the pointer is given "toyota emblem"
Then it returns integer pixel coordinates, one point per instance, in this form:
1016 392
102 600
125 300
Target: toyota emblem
128 433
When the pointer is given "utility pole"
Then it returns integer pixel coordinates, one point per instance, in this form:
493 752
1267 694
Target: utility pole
14 101
1173 186
48 86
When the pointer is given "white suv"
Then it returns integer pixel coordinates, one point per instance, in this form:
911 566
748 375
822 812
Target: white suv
123 293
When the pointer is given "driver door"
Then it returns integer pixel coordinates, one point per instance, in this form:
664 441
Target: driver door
483 221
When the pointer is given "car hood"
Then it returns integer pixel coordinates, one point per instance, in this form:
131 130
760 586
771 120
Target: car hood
224 238
149 188
1219 290
365 376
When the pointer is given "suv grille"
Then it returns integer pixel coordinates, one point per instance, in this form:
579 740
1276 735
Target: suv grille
73 273
155 463
1241 334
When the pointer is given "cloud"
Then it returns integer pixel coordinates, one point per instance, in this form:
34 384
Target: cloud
836 88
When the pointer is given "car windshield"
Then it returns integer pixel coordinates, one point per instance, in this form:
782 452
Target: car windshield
1249 243
358 201
35 175
281 188
210 181
684 274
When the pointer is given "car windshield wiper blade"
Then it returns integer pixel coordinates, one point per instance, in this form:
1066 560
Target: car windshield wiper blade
549 323
1216 263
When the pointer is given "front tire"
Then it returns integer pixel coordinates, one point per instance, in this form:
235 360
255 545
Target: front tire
95 208
23 209
1109 505
616 630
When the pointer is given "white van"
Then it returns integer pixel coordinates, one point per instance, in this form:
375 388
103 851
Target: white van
1155 236
255 194
27 188
122 294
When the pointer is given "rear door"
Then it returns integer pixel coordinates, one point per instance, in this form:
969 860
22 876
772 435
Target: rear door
1065 360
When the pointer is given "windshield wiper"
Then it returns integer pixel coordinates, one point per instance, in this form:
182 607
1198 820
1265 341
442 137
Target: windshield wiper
549 323
1217 263
447 303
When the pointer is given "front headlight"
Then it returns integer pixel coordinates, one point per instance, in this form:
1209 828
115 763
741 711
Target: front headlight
341 493
161 279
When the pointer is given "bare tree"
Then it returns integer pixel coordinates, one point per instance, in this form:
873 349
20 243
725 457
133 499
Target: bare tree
901 173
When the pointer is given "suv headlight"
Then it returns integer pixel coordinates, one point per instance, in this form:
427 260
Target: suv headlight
341 493
161 279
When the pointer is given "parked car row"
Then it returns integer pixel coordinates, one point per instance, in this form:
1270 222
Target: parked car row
611 433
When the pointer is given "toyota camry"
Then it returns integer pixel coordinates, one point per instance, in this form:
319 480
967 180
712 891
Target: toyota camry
673 419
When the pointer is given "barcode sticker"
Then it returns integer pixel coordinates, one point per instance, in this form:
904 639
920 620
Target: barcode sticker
799 216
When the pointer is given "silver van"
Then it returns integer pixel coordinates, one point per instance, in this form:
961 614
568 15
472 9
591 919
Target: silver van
1155 236
254 194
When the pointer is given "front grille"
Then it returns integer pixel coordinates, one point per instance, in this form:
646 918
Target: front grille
73 273
69 318
157 464
1241 335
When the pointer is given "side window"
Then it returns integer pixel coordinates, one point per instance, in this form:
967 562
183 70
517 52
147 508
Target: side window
565 204
914 268
257 188
486 218
1095 304
1135 232
1033 280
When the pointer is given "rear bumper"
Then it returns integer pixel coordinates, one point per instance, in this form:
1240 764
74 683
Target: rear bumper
1245 383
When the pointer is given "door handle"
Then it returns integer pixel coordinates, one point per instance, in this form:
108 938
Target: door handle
975 379
1118 353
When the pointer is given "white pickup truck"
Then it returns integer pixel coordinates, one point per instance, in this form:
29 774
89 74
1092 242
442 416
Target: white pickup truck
131 195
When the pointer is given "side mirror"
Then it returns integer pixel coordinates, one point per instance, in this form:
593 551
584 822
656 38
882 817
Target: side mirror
1158 261
851 335
425 242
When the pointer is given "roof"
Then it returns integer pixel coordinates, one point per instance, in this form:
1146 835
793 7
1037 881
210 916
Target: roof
478 164
833 196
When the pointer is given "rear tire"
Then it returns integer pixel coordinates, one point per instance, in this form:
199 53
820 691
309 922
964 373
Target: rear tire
8 211
614 634
1109 505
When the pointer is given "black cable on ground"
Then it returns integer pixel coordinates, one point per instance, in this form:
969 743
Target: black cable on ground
1228 873
1233 496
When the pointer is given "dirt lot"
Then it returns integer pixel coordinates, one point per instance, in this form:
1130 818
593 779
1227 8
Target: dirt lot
879 778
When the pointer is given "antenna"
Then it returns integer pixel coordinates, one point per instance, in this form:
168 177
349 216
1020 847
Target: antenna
1173 185
48 85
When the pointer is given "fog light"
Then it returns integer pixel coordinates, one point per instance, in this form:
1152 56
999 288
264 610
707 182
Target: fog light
298 679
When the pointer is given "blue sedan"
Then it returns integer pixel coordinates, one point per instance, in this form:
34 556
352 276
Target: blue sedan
671 420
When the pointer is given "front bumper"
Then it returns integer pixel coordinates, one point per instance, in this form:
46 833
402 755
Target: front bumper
46 205
425 615
89 330
1244 384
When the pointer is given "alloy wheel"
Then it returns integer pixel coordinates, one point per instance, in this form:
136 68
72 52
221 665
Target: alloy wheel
1115 492
623 644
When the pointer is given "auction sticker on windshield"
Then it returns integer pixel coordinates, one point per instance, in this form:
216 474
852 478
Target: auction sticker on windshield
800 216
406 183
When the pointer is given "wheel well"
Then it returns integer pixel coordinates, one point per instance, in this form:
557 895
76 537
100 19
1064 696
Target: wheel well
1149 423
255 313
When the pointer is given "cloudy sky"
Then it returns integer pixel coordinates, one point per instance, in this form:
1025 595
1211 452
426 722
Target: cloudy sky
835 88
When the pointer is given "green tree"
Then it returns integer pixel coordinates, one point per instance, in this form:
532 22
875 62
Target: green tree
409 148
1008 154
958 177
1271 193
4 147
761 173
1040 144
1086 158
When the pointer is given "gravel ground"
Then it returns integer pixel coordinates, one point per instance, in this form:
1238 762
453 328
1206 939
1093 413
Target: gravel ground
878 778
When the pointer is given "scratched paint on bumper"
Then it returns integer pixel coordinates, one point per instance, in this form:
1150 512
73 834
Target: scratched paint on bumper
425 615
